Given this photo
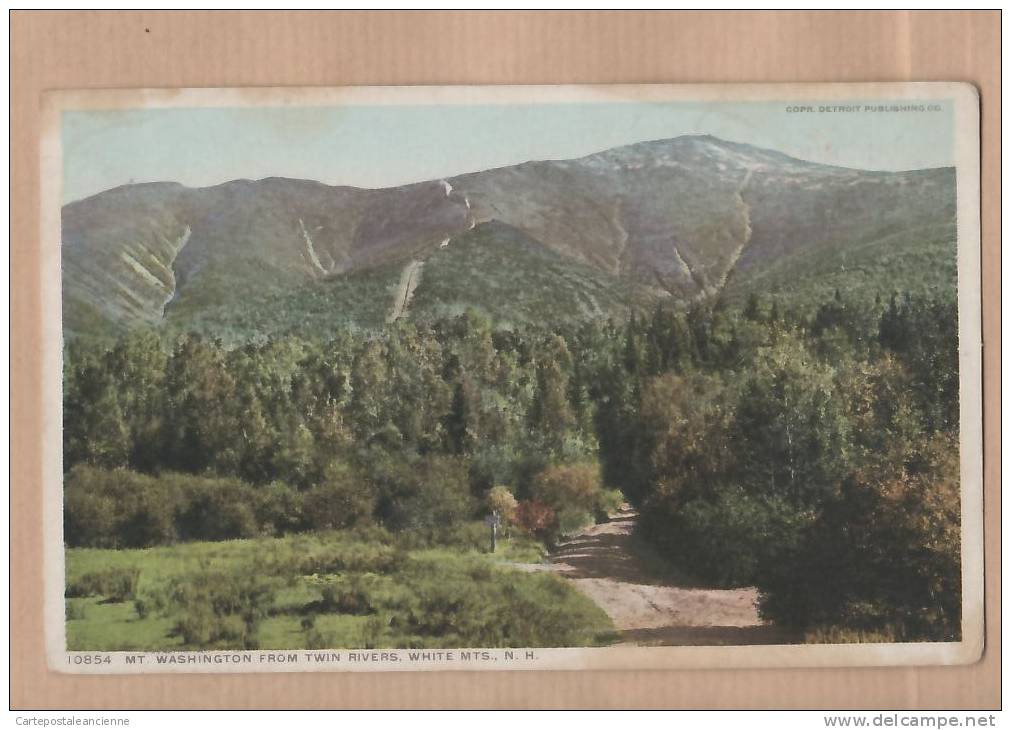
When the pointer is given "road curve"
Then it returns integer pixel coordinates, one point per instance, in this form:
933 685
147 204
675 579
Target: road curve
607 563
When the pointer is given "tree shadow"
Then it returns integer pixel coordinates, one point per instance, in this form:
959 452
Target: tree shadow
598 556
621 555
710 636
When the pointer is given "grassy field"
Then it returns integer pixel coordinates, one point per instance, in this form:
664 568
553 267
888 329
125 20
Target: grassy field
346 589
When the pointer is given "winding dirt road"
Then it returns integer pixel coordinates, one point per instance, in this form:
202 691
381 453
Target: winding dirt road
608 564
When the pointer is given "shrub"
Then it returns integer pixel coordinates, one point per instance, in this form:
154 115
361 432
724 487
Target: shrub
200 628
610 502
279 510
329 554
219 608
315 639
89 516
351 598
352 557
725 535
468 535
343 499
76 611
537 519
881 559
371 632
117 508
114 584
575 493
500 499
218 509
571 521
429 492
569 486
501 609
495 462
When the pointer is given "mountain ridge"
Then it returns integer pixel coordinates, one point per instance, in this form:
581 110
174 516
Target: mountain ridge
680 218
699 137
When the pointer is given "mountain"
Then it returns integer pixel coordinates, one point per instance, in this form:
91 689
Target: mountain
680 219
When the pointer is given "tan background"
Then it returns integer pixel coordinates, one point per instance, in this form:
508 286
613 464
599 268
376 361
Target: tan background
67 50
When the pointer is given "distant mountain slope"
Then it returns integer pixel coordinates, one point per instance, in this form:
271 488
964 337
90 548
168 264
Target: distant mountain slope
683 218
516 279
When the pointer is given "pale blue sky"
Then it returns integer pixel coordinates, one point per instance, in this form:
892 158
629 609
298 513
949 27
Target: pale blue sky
377 146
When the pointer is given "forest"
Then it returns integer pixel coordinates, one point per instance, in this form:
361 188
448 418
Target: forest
813 454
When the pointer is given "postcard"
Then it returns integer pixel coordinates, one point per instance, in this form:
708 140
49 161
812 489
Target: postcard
505 378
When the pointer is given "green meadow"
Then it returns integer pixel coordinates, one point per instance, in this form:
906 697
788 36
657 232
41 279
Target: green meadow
365 588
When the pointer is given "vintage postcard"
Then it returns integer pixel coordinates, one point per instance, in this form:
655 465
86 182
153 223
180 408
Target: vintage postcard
559 377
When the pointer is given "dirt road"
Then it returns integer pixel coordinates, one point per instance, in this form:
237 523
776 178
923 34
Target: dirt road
607 563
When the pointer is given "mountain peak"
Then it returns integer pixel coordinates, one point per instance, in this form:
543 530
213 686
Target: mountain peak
693 151
682 217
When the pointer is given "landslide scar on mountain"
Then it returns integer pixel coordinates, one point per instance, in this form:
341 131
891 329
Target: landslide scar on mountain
682 218
619 260
177 246
410 277
310 249
744 209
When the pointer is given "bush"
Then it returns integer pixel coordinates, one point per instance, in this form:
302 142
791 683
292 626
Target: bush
114 584
280 510
500 499
576 494
727 535
89 516
537 519
351 551
371 632
571 521
219 609
881 559
467 535
117 508
351 598
76 611
609 503
200 628
343 499
315 639
569 486
500 609
218 509
432 491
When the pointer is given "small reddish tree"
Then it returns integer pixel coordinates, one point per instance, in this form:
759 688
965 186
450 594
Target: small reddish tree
537 518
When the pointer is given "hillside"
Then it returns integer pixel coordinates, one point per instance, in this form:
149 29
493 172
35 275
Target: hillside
500 270
676 219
